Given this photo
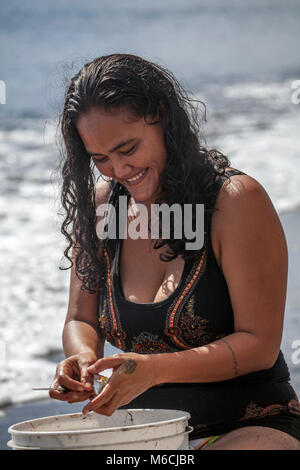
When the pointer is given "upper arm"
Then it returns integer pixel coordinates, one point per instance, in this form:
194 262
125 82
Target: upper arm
254 260
82 305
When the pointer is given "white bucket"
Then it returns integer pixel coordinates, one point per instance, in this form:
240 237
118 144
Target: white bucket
140 429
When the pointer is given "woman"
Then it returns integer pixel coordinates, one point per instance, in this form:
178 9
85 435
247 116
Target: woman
200 328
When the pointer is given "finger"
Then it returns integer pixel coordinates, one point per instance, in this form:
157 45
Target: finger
71 384
75 397
105 363
110 407
107 393
60 397
56 393
86 378
66 377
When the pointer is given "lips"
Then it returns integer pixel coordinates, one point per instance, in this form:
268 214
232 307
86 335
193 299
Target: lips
136 178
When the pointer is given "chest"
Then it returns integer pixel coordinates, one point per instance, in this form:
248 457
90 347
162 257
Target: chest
144 277
139 312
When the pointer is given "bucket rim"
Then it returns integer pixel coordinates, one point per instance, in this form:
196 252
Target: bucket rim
11 443
12 431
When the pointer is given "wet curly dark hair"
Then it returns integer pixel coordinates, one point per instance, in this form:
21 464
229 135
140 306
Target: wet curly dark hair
147 90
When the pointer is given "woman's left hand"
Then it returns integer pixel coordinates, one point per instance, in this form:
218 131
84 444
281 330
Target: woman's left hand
132 375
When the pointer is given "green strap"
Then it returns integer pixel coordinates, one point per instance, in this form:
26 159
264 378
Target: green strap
212 440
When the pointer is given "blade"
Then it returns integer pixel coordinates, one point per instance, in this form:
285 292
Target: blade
49 388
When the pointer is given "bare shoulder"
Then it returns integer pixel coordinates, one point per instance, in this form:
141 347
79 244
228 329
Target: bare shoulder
246 216
244 193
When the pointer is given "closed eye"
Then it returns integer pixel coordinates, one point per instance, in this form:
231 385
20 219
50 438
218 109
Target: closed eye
102 160
128 152
97 160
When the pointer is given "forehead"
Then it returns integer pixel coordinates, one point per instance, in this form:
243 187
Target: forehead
108 125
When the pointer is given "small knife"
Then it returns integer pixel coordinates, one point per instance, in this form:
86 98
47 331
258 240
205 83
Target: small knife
59 389
100 380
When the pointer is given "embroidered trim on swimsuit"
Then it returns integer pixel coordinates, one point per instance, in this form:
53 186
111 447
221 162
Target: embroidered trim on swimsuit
185 330
147 343
110 319
255 411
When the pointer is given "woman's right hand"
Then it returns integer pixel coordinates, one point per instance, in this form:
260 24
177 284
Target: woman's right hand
72 374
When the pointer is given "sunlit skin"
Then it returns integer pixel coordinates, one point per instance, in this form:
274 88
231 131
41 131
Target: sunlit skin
122 146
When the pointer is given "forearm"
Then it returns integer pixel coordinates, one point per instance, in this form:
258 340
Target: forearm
79 337
234 355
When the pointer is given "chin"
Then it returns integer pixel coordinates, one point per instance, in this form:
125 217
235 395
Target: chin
147 197
142 196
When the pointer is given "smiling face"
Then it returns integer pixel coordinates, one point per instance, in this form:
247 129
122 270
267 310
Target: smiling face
126 149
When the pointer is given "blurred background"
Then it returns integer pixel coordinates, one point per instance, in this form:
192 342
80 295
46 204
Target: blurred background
242 58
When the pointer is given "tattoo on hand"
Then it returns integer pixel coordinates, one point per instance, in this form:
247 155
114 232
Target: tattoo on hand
233 357
130 366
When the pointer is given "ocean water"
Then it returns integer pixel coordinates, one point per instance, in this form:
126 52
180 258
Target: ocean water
240 58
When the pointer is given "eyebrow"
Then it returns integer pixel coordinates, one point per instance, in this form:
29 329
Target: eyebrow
117 147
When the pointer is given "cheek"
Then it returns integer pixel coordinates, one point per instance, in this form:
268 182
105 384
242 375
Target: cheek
162 161
159 158
106 168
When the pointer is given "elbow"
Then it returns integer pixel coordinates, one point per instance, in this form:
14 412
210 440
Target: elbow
268 357
264 352
271 361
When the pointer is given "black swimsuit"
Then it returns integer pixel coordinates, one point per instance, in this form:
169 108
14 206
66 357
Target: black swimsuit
198 312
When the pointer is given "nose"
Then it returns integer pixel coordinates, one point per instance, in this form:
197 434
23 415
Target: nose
120 168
